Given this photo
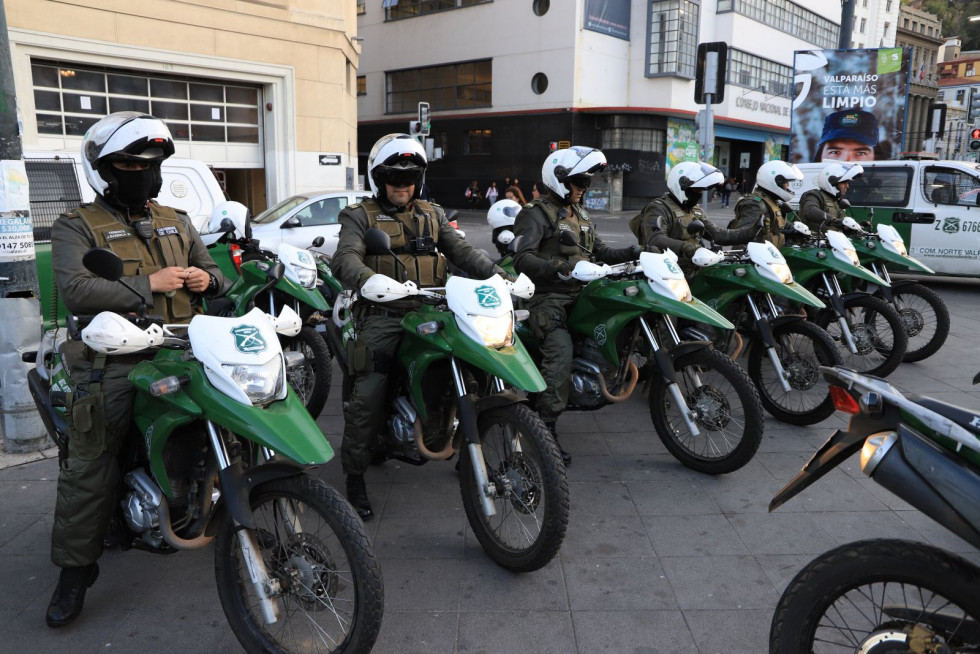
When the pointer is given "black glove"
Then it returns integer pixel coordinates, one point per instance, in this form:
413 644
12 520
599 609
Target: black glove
866 225
688 249
563 268
506 275
636 249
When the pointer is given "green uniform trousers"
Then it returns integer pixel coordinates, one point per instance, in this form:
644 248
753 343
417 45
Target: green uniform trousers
89 476
369 360
549 315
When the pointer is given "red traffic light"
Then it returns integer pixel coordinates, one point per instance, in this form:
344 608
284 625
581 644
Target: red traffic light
975 134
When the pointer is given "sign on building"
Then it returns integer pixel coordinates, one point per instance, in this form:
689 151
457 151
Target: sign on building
610 17
851 104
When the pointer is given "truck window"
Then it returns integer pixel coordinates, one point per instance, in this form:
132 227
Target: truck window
881 187
53 187
950 186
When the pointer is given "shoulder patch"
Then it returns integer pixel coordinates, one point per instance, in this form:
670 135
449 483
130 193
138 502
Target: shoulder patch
356 205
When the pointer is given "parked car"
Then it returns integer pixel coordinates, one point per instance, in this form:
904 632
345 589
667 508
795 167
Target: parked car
299 219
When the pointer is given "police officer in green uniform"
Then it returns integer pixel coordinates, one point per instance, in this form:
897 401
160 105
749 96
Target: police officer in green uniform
664 222
165 260
820 207
767 202
422 239
566 175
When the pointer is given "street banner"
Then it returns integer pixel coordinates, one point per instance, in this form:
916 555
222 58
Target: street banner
849 105
610 17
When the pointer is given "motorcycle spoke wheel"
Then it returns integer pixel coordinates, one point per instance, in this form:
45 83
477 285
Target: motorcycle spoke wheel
802 347
727 406
878 332
530 491
312 380
880 596
330 596
925 317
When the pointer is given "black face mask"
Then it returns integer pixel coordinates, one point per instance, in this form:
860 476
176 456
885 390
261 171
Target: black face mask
135 187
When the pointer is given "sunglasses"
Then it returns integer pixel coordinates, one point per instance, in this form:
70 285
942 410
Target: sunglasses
580 181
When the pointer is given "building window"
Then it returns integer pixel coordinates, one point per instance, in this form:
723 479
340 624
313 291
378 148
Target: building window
644 139
888 6
754 72
477 141
69 99
864 25
960 94
884 32
361 85
451 86
361 7
673 32
396 9
788 17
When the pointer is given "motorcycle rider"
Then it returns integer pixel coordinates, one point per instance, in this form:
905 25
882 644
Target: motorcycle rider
663 223
566 175
767 202
165 260
820 208
501 219
422 239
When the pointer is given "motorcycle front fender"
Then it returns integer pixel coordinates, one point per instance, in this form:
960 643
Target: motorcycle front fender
838 448
309 296
873 249
237 485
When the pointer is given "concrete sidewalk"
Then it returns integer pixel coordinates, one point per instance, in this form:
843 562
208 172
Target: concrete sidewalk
657 558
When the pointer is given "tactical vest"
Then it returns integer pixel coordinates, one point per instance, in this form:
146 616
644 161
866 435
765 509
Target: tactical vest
829 202
572 218
168 245
414 240
678 226
774 218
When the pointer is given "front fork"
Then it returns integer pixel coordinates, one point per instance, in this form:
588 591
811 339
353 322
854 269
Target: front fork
834 293
266 587
486 490
765 331
666 366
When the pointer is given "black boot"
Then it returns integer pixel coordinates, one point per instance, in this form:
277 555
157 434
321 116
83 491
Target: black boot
566 458
357 496
69 594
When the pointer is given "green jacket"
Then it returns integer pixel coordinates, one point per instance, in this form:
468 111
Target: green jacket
757 205
174 242
540 254
819 208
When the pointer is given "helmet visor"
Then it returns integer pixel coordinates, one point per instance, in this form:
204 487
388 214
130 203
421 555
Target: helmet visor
510 212
400 177
582 181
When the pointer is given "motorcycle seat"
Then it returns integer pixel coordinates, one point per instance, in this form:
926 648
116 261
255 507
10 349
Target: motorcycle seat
965 418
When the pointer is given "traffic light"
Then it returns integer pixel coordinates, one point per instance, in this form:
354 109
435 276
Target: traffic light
975 139
414 128
424 118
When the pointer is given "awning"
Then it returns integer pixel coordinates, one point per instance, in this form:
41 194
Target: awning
743 134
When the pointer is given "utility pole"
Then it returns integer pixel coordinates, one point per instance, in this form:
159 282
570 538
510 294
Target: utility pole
21 429
846 24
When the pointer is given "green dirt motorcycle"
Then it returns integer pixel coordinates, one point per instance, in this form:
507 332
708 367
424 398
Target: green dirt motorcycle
785 351
243 260
923 313
223 453
451 390
868 331
703 405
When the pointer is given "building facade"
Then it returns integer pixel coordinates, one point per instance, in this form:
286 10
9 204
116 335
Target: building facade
922 32
959 89
264 91
875 22
508 79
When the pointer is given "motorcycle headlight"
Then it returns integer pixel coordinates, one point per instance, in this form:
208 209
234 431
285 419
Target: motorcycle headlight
495 332
306 277
899 246
680 289
262 383
853 256
783 273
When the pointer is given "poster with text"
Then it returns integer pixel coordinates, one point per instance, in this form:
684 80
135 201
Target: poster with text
610 17
849 105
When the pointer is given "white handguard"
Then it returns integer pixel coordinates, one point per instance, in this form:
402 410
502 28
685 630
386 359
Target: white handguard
522 288
704 257
381 288
288 322
672 255
505 237
110 333
342 308
586 271
801 228
850 223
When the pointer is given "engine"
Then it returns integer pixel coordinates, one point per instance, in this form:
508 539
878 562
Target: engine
588 366
140 507
402 422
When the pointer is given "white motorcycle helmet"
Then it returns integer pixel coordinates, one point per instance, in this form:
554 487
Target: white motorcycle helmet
503 213
687 180
234 211
576 164
124 136
396 158
774 177
835 173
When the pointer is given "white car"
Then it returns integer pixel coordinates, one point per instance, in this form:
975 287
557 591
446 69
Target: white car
299 219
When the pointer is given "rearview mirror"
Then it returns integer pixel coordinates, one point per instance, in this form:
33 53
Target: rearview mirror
695 227
292 222
103 262
318 241
376 241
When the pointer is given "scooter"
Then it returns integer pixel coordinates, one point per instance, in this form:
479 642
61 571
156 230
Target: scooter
222 454
702 404
886 595
867 329
458 384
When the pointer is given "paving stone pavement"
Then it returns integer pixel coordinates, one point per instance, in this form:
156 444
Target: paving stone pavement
657 558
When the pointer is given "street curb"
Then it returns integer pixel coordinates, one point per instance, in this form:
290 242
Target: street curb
8 460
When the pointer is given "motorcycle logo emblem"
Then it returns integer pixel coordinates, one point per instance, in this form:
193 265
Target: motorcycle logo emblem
674 270
248 339
303 257
487 297
600 334
951 225
975 423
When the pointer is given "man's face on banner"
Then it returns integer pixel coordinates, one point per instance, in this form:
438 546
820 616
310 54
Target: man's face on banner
846 150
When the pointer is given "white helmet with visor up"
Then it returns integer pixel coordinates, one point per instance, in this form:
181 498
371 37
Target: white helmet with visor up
687 180
575 165
837 173
125 136
399 160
